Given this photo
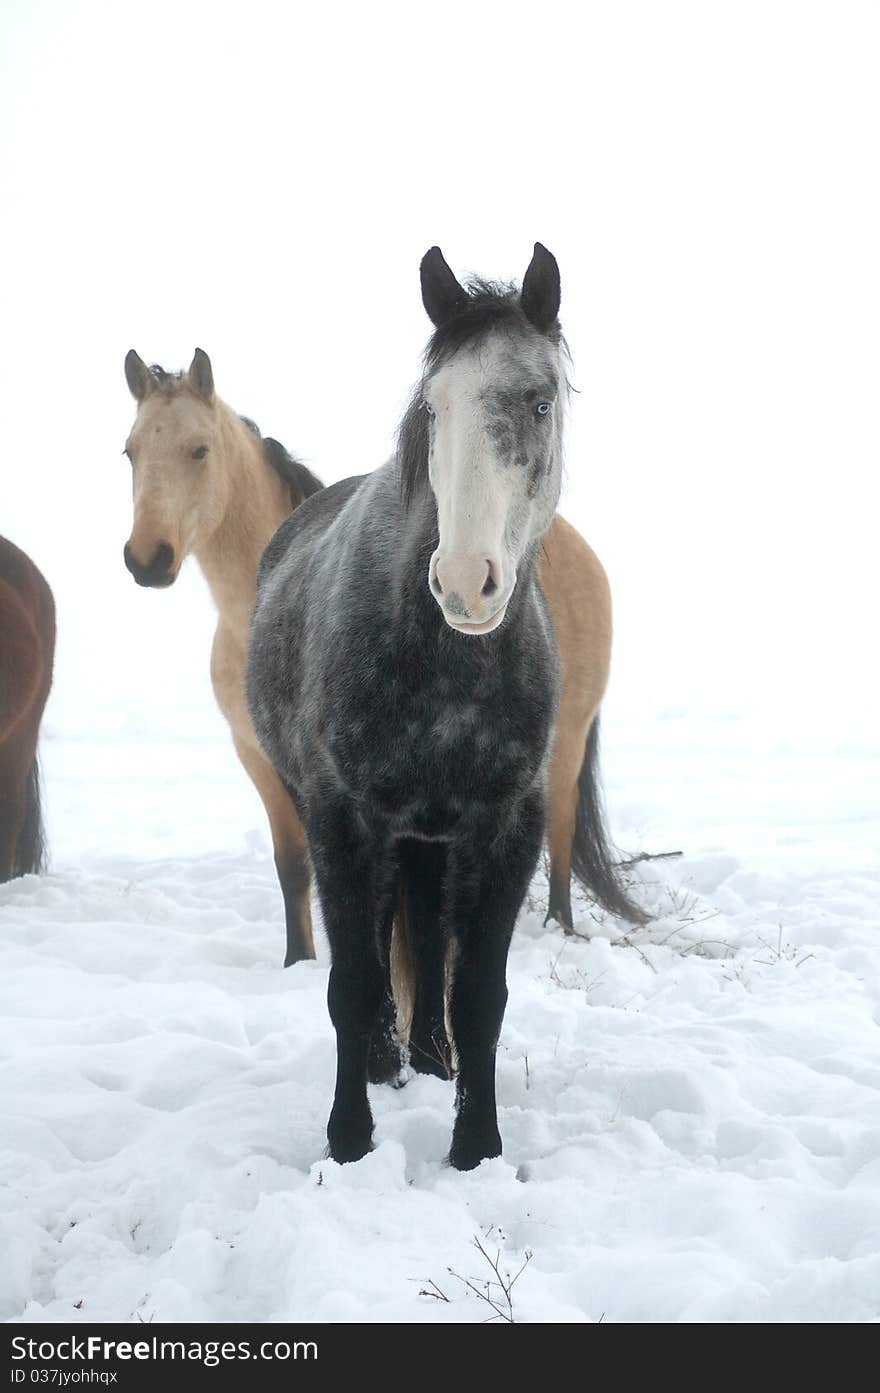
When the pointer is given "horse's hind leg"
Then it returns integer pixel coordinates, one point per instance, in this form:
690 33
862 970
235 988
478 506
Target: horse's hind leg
562 800
17 754
422 873
23 689
291 852
385 1061
12 815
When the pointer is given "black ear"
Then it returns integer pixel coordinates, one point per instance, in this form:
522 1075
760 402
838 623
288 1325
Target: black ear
540 294
442 295
138 376
201 376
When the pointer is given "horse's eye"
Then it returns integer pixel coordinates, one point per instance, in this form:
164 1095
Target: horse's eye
429 408
543 408
127 453
200 452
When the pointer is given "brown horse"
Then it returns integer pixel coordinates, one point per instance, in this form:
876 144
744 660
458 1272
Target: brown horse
205 482
27 650
579 597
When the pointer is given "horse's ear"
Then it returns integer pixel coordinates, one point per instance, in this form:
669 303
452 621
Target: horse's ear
138 376
201 376
540 294
442 295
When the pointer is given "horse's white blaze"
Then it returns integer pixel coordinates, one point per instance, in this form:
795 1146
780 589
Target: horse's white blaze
485 512
472 496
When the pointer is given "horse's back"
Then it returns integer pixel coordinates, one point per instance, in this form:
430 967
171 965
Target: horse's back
24 576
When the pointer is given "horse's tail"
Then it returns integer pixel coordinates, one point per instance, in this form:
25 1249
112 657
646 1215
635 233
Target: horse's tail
591 856
403 966
30 850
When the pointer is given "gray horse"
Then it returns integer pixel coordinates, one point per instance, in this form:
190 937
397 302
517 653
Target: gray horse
403 681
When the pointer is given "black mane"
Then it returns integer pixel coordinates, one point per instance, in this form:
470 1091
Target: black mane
300 480
490 305
412 447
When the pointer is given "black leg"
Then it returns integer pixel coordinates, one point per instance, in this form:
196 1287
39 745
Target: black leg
422 877
559 906
354 903
489 888
385 1060
354 998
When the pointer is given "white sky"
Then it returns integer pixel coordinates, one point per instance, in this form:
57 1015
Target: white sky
262 180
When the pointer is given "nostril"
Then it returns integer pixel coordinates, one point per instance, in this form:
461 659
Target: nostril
434 582
164 558
155 572
490 585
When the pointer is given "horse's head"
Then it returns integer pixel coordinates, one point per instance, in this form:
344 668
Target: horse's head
178 480
492 401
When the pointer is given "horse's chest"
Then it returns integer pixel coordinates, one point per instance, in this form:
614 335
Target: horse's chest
432 757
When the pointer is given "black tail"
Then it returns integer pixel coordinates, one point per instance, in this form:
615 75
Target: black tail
591 857
30 853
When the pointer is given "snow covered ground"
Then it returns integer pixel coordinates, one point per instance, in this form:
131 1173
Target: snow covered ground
690 1113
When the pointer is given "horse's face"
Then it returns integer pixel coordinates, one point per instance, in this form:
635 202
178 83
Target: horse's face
495 409
178 482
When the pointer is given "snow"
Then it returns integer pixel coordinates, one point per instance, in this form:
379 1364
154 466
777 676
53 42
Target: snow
690 1112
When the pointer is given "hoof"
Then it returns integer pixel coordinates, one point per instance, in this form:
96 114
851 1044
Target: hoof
467 1152
343 1154
349 1135
559 916
298 955
344 1145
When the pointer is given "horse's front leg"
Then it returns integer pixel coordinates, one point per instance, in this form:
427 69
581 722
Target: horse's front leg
489 887
355 909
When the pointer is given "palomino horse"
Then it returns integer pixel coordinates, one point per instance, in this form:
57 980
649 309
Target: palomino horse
403 679
206 482
27 650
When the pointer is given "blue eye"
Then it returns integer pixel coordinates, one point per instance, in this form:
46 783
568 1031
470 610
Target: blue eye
200 452
542 408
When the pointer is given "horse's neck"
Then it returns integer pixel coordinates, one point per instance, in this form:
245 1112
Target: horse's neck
258 503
